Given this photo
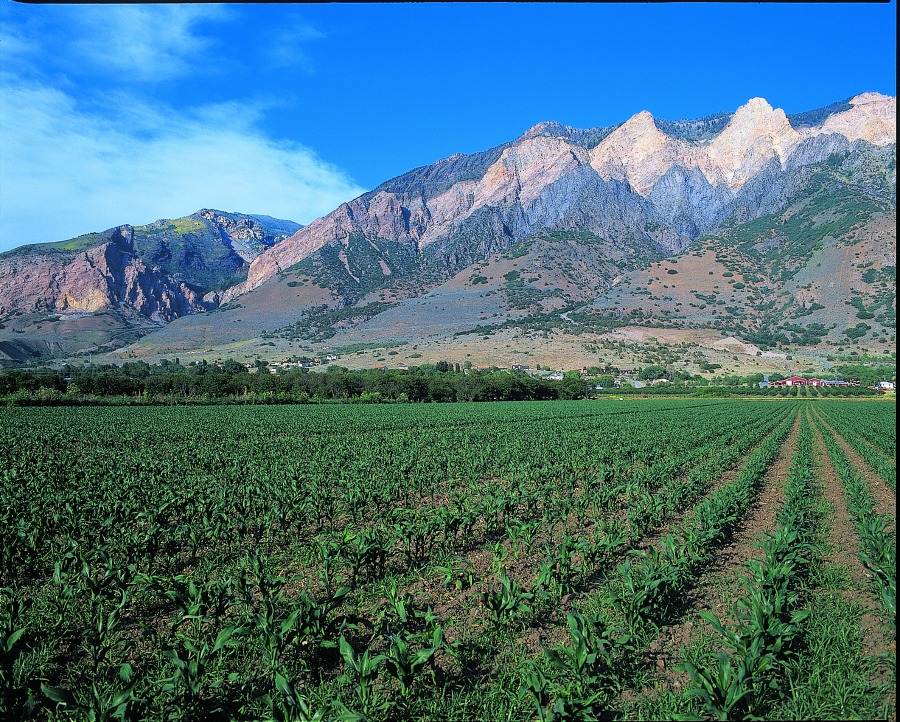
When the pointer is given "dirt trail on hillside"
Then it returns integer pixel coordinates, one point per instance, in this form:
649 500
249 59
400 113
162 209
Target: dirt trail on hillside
718 588
883 498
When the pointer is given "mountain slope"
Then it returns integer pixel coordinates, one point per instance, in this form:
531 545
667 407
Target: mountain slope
556 232
130 279
634 183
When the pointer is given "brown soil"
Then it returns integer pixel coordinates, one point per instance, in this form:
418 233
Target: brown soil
884 500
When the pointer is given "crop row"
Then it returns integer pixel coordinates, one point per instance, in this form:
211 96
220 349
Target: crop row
876 423
644 592
877 533
766 628
870 440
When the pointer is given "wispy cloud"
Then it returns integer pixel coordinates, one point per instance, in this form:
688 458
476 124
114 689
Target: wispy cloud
144 43
127 43
93 136
65 170
287 46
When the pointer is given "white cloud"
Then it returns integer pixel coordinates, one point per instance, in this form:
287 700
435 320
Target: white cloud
144 42
125 43
286 49
65 170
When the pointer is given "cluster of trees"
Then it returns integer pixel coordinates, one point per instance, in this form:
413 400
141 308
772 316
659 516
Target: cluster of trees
230 381
171 382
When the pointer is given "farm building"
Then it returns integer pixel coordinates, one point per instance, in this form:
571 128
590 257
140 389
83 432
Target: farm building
792 381
885 386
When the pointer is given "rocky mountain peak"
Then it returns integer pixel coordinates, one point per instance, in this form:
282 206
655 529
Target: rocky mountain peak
638 128
238 228
756 119
872 117
637 151
871 97
755 135
547 128
688 172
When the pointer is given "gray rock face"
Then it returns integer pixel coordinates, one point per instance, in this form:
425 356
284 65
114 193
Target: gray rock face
653 184
685 200
160 271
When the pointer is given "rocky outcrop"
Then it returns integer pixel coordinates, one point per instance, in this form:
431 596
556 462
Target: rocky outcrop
161 271
872 117
96 279
245 235
636 182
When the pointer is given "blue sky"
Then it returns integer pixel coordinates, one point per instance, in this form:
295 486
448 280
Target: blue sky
126 114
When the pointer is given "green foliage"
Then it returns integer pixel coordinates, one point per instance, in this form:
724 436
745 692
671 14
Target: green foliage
331 562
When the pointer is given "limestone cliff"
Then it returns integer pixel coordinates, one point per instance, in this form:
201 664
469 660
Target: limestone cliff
156 272
91 280
636 182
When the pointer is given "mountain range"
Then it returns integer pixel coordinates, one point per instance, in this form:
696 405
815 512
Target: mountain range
772 229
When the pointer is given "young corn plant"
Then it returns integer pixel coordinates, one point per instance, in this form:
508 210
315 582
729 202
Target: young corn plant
192 684
568 707
362 673
521 534
366 553
588 660
315 628
649 589
724 689
13 611
405 663
288 704
458 575
99 702
329 552
507 603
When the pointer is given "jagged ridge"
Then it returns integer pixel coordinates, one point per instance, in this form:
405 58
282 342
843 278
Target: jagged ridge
636 181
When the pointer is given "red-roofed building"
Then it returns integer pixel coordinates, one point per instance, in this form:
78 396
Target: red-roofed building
792 381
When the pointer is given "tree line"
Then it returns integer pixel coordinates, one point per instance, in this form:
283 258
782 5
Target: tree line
232 382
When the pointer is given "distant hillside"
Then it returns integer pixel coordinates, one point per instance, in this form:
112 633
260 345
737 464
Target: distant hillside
111 287
558 233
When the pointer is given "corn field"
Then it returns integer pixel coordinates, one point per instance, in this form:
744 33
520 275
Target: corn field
640 559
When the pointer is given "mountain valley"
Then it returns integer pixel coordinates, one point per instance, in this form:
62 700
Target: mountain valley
753 232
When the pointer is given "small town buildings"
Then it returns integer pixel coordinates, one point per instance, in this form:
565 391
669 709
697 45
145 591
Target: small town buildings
792 381
885 386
